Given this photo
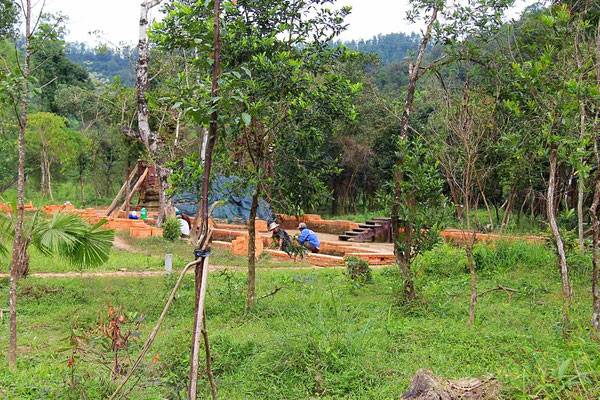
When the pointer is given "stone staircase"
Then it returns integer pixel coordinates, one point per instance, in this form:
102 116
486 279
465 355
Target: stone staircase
372 230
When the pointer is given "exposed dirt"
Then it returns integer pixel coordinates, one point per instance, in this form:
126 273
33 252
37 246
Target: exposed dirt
120 244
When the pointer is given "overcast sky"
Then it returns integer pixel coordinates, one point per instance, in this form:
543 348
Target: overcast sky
118 19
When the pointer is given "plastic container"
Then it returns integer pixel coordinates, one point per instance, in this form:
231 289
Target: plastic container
144 213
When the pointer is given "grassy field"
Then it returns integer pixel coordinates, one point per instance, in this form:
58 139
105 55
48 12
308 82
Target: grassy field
320 336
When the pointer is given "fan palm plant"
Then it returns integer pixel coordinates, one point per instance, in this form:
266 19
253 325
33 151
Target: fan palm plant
64 235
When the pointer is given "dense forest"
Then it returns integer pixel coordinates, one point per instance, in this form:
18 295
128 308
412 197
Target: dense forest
476 123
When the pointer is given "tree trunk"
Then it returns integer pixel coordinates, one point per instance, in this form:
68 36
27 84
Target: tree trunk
252 251
398 173
580 184
19 254
43 185
595 236
487 206
49 179
142 82
509 206
593 209
580 188
558 241
82 189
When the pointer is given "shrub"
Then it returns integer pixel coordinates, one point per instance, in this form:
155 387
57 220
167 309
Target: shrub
171 230
358 270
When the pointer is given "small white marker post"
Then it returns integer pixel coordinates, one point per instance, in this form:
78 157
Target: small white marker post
168 263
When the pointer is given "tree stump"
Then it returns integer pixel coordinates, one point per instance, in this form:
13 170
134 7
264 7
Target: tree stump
426 386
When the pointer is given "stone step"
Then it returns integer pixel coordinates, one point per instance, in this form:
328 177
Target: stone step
368 225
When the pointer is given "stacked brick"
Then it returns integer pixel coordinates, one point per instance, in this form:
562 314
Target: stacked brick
136 228
7 208
239 246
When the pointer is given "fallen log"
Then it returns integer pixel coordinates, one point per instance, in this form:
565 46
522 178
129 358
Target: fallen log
426 386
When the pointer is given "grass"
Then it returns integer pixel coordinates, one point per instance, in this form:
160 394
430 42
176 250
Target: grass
320 336
62 191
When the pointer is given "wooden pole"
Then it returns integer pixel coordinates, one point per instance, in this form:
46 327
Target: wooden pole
134 190
115 202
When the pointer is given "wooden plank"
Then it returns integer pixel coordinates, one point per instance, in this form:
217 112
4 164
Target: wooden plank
115 202
133 190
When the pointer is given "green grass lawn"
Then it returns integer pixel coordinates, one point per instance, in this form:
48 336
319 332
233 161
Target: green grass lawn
320 336
148 255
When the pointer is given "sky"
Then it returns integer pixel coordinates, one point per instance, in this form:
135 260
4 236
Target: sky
118 19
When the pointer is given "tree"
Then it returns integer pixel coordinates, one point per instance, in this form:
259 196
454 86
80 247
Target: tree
48 135
144 133
277 82
474 22
20 243
63 235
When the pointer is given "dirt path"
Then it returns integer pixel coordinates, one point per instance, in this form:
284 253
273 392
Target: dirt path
120 244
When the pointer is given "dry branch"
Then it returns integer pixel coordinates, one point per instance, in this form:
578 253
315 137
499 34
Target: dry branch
272 293
507 290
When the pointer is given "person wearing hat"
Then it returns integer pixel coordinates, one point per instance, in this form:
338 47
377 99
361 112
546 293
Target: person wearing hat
184 224
281 237
308 238
133 215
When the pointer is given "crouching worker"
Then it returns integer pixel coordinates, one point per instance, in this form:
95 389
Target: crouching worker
184 223
281 237
308 238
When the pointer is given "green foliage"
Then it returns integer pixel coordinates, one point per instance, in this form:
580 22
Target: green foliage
171 229
9 15
358 270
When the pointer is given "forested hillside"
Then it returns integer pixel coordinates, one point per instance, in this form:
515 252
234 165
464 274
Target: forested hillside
104 61
391 48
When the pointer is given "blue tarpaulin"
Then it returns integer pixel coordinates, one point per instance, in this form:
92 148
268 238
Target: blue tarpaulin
236 201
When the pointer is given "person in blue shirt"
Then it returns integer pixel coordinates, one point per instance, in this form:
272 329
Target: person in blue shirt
308 238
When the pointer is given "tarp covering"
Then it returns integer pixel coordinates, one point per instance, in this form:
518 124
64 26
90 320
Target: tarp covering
237 201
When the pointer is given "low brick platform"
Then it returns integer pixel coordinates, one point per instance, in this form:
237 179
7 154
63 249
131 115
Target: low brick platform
8 209
136 227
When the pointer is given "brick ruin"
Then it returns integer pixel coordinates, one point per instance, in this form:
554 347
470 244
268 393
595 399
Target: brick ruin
235 236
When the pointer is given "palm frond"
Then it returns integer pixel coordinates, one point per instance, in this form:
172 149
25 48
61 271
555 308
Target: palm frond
59 235
92 248
6 233
67 235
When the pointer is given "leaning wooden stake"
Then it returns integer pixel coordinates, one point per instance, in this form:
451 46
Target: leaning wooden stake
198 322
211 377
123 189
133 190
